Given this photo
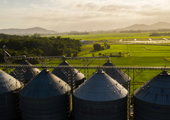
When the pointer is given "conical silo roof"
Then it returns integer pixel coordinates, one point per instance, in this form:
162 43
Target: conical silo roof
63 73
25 74
117 74
156 90
100 87
45 84
100 98
8 83
45 98
9 97
152 99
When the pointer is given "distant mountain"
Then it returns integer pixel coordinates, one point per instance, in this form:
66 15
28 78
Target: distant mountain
160 25
28 31
136 27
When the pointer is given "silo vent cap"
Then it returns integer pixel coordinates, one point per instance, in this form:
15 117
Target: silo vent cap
108 61
100 71
164 73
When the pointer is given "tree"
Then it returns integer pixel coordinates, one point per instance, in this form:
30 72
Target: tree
120 54
39 46
106 45
75 53
97 47
35 35
103 48
68 52
100 54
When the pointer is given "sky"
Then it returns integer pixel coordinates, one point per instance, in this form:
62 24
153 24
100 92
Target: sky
82 15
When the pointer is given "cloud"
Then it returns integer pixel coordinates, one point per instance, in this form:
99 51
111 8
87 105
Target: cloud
153 13
84 6
149 10
34 6
87 15
5 2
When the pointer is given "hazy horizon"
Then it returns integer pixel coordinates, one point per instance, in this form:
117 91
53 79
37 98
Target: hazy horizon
89 15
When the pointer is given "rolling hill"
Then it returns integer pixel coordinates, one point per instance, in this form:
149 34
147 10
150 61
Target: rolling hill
159 25
28 31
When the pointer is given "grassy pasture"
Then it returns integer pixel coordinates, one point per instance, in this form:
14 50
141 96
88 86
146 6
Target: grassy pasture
138 79
140 55
112 36
134 50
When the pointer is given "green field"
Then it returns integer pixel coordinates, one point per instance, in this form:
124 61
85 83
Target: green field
132 54
139 55
112 36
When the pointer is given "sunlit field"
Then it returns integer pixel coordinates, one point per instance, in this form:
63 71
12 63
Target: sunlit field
113 36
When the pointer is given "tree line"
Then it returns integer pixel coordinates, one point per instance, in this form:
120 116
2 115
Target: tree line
160 34
39 46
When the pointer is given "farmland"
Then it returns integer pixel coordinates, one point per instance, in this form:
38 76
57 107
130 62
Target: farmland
139 55
112 36
138 49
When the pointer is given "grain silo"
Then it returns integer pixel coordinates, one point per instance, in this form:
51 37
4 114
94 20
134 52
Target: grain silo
63 73
118 75
100 98
25 74
45 98
9 97
152 99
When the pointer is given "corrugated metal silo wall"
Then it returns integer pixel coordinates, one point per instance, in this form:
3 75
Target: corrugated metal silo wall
10 106
105 110
148 111
52 108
